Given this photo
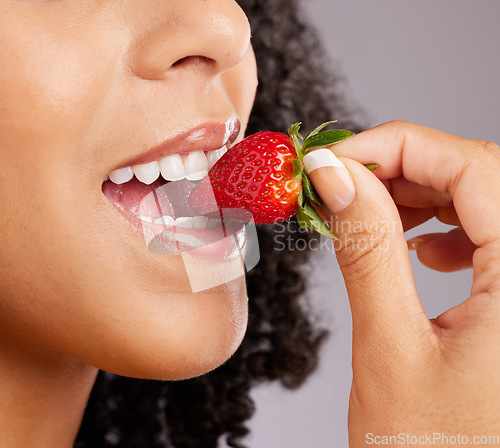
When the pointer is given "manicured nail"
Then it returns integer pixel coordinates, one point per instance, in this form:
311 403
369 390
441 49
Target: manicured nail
414 242
330 178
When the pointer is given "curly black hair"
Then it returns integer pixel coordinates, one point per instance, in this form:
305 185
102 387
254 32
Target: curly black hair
283 339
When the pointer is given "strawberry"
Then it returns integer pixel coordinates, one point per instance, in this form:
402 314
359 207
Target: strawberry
264 175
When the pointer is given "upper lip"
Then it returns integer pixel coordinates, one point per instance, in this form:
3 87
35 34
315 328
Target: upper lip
205 137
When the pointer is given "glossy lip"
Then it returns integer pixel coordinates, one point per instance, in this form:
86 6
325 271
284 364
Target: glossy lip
221 250
206 137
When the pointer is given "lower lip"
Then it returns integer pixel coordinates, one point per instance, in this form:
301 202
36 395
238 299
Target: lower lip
217 244
220 242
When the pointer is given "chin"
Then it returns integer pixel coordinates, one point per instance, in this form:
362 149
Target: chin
204 332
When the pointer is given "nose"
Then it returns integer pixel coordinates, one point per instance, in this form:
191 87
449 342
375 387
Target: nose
215 32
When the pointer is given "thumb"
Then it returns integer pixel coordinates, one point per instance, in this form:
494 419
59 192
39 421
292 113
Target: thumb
371 250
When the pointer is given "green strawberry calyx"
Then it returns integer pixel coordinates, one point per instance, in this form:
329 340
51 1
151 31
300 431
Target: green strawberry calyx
307 216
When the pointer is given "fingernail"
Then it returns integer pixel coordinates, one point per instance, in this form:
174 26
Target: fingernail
414 242
330 178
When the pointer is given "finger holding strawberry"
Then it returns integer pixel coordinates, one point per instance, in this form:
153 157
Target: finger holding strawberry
264 174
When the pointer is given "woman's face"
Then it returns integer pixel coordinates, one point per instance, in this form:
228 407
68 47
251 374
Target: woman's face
87 87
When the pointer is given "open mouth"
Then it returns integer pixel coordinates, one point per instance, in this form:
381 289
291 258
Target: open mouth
154 197
157 192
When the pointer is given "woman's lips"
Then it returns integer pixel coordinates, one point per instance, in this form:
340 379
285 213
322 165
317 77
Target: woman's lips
161 214
211 256
167 204
148 201
206 137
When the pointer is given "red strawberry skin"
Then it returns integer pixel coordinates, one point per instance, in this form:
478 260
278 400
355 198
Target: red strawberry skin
255 175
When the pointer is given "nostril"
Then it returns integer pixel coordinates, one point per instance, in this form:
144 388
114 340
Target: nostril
211 38
194 60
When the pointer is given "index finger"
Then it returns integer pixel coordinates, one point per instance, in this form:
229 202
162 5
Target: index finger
466 169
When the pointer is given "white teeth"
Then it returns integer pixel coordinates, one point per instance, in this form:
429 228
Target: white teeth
185 222
192 166
172 168
147 173
196 165
216 154
165 220
121 175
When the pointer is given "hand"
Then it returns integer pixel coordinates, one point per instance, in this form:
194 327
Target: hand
413 375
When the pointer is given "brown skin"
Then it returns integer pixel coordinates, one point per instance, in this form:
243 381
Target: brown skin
411 374
92 84
88 86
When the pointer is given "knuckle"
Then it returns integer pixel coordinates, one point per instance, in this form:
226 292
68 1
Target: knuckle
485 148
480 154
397 129
491 147
398 123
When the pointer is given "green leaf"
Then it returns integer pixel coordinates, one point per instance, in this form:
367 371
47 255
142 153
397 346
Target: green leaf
372 166
319 128
314 221
301 199
297 168
298 147
325 138
322 228
309 189
301 219
294 130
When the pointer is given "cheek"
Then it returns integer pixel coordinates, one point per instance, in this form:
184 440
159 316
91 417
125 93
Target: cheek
48 94
51 85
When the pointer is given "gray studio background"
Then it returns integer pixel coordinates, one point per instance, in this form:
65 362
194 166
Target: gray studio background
433 62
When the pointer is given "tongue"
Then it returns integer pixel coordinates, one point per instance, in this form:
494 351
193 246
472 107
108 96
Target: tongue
151 201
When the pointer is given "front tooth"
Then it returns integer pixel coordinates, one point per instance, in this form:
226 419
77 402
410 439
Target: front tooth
172 168
145 218
165 220
121 175
213 156
184 221
196 165
147 173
